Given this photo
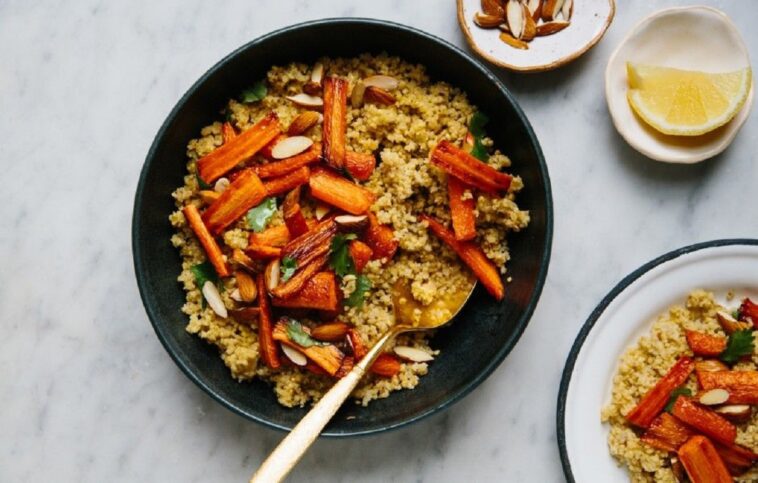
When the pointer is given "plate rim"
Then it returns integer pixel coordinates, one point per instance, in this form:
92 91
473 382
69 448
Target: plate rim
589 324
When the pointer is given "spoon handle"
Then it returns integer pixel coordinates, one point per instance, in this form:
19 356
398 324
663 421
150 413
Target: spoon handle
281 461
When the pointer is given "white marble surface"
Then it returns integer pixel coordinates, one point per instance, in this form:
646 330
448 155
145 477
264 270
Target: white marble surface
86 390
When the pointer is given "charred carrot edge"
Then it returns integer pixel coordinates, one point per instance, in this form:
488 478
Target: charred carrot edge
381 239
311 244
246 315
461 210
327 357
331 188
705 345
318 293
468 169
275 236
240 149
360 165
262 252
288 165
269 351
227 132
708 365
330 332
472 256
704 421
347 365
653 402
301 277
212 250
667 433
702 462
293 215
315 369
335 121
356 342
240 258
244 193
288 182
737 459
749 311
741 385
386 365
267 149
360 253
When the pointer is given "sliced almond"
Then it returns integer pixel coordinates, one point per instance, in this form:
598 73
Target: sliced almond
487 21
243 260
530 27
297 357
412 354
535 9
307 100
221 185
246 286
714 397
332 332
551 9
514 15
356 97
512 41
313 86
736 413
567 10
304 121
210 292
272 274
235 295
208 196
549 28
386 82
493 7
378 95
322 209
730 324
352 222
291 146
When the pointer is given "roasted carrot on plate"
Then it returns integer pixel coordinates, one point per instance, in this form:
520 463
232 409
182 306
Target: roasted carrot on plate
653 402
293 215
227 132
212 250
328 186
742 386
327 357
288 165
461 209
244 193
667 433
360 253
704 420
321 292
457 162
335 121
380 239
702 462
269 351
705 345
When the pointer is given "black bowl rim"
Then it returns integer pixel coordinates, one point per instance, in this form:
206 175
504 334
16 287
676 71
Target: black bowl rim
595 315
520 326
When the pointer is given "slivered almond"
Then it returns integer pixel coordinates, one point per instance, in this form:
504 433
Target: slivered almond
307 100
294 355
208 196
322 209
272 275
714 397
736 413
386 82
535 9
514 15
378 95
246 286
240 258
210 292
730 324
412 354
291 146
493 7
331 332
352 222
235 295
487 21
512 41
313 87
549 28
356 97
551 9
567 10
530 27
221 185
304 121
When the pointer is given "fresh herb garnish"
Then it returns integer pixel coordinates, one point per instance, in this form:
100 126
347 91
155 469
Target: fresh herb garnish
297 334
201 183
740 344
339 256
476 128
258 217
287 268
736 314
679 391
254 93
362 285
204 272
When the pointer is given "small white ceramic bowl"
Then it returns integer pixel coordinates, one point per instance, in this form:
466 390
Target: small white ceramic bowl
590 20
690 38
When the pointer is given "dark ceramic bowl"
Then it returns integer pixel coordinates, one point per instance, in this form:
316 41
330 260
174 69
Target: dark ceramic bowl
472 346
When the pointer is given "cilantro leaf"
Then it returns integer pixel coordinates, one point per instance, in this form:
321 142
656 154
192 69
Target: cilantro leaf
288 267
254 93
339 256
201 183
479 151
736 314
362 285
204 272
297 334
679 391
740 344
477 123
258 217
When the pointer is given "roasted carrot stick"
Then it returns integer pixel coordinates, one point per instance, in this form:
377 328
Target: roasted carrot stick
288 165
702 462
227 132
331 188
741 385
356 342
321 292
708 365
360 253
667 433
653 402
275 236
212 250
347 365
386 365
381 239
244 193
749 311
461 210
312 244
704 420
335 121
288 182
737 459
269 351
472 256
293 215
705 345
360 165
468 169
263 252
302 276
327 357
240 149
266 150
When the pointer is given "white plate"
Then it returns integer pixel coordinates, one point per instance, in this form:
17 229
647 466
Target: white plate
625 314
589 22
690 38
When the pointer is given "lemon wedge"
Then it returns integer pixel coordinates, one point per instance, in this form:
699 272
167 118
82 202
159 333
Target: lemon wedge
683 102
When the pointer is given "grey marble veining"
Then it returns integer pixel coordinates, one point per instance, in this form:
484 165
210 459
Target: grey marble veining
87 392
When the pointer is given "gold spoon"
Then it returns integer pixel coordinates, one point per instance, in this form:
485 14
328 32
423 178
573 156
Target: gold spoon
409 316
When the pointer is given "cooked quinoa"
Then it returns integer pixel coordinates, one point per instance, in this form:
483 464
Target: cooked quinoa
643 365
402 135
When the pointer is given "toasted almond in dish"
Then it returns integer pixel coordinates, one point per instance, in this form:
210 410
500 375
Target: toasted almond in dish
235 295
378 95
487 21
514 14
291 146
512 41
412 354
307 100
530 27
304 121
332 332
714 397
736 413
567 10
246 286
549 28
386 82
353 222
356 96
551 9
313 87
535 9
210 292
493 8
272 274
294 355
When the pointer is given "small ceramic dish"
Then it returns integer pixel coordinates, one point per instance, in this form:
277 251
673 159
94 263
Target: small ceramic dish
590 20
690 38
624 315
